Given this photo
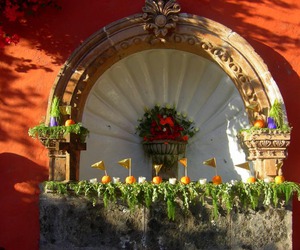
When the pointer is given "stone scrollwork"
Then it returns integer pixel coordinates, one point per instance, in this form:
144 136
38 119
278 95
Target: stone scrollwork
161 16
266 150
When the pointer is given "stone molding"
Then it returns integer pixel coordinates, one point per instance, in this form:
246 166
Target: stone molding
267 150
191 33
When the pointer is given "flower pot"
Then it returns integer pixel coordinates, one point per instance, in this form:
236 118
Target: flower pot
165 147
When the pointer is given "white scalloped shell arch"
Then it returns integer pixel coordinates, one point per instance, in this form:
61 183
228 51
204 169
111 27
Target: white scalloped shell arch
194 84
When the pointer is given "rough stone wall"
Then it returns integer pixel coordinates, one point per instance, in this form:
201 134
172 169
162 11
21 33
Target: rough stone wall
74 223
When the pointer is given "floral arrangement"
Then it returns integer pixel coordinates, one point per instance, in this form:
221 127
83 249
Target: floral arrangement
165 123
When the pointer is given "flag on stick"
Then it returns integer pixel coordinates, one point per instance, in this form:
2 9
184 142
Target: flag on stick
212 163
126 163
244 165
279 165
183 161
253 106
99 165
157 168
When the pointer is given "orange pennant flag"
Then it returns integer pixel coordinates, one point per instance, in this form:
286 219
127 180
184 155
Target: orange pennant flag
183 161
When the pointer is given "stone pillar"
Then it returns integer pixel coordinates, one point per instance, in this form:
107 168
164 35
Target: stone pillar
267 150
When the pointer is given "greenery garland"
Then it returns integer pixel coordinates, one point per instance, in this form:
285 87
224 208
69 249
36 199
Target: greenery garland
223 198
58 132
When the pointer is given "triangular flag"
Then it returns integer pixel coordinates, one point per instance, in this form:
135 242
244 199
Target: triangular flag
65 110
157 168
126 163
210 162
99 165
253 106
244 165
183 161
279 165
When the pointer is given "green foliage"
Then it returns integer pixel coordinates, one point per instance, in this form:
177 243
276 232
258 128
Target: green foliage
58 132
54 109
277 113
223 197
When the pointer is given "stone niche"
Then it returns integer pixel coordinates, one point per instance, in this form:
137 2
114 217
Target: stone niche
68 222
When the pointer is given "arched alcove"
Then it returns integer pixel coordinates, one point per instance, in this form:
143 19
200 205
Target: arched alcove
115 48
197 86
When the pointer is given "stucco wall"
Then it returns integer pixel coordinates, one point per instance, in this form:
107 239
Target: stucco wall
29 69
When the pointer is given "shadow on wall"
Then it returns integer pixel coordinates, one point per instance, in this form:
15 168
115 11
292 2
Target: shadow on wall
19 180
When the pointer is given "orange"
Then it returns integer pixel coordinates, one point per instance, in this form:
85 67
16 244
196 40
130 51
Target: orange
259 123
217 179
130 179
157 180
185 180
279 179
251 179
106 179
69 122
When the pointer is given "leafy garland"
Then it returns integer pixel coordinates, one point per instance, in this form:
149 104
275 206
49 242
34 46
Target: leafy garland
58 132
223 198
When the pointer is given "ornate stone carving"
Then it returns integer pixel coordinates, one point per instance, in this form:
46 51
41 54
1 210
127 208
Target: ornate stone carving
160 16
266 149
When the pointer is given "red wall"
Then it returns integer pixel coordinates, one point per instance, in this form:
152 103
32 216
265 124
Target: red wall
28 70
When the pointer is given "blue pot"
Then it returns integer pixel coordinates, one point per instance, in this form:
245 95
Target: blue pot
53 121
271 123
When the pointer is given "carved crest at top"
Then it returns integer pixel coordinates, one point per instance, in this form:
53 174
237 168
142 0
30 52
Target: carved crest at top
160 16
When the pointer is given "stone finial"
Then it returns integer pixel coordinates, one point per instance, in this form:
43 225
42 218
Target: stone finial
160 16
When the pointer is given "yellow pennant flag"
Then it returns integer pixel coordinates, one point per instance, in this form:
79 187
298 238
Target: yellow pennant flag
253 106
183 161
157 168
244 165
279 165
210 162
99 165
126 163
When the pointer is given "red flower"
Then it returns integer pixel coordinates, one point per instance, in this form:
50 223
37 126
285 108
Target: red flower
185 138
168 120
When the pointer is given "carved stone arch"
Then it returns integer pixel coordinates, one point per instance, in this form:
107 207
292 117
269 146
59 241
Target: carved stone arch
194 34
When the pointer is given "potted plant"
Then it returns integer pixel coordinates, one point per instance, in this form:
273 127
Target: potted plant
54 112
266 141
47 133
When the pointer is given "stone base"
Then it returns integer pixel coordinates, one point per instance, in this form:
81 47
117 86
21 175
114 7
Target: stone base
68 222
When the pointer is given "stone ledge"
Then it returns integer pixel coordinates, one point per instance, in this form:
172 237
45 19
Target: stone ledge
68 222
